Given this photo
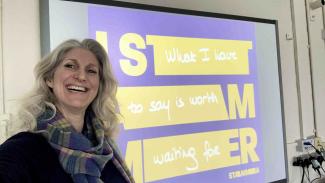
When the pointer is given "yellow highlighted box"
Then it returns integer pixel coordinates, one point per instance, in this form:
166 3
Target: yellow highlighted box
102 38
153 106
173 156
199 56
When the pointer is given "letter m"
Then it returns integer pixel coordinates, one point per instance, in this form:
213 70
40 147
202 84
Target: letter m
133 159
236 104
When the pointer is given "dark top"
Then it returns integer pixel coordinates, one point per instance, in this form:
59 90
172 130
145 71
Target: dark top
29 158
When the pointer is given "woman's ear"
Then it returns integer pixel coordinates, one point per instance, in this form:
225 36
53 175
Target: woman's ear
49 83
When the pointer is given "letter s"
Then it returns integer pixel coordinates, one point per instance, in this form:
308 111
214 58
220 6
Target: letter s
139 57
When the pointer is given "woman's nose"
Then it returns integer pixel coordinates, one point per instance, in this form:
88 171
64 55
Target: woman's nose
80 75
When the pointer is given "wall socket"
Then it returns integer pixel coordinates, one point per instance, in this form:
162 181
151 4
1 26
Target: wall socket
316 141
302 147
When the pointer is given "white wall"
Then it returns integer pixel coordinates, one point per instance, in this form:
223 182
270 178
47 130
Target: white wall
21 50
21 47
318 66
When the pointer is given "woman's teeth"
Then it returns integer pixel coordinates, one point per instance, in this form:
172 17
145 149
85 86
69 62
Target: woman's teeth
77 88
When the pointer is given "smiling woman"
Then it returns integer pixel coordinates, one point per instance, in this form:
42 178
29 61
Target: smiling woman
71 118
75 84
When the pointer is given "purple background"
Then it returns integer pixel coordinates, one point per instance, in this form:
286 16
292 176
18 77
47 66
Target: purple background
118 21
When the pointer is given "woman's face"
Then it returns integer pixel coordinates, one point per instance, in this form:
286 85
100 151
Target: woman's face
76 80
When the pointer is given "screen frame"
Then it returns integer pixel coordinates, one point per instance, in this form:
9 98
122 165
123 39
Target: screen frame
45 39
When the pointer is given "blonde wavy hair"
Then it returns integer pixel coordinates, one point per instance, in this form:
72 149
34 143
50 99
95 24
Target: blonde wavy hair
104 106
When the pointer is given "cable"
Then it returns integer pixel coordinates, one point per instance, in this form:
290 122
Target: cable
316 161
303 175
322 168
315 164
307 175
315 179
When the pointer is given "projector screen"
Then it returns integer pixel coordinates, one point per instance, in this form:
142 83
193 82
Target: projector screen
199 93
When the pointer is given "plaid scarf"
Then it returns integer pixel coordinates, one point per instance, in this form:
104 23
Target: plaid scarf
82 155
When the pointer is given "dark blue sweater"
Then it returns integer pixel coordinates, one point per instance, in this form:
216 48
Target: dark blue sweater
29 158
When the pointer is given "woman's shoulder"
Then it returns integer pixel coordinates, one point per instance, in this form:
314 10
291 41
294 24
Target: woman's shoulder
28 147
24 140
28 156
24 136
24 147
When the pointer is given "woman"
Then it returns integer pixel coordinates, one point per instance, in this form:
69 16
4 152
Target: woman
72 119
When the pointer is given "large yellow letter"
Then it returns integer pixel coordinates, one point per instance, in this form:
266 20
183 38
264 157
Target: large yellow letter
248 148
137 56
101 37
235 102
133 159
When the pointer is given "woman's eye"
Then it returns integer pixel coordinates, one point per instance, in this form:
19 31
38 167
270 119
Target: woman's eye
71 66
68 65
92 71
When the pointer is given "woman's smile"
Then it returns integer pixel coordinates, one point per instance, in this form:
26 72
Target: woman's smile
76 80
